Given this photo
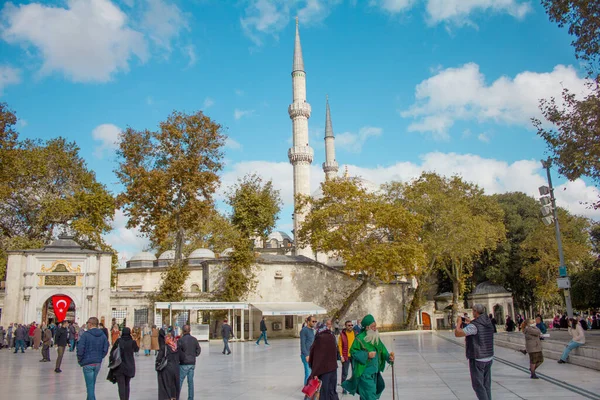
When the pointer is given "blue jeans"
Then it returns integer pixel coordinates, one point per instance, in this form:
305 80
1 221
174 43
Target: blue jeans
71 344
263 335
90 373
187 371
572 345
20 343
307 369
226 346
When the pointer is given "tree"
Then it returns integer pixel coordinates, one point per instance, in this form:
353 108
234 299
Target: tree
238 278
170 176
540 250
460 222
575 142
45 186
585 289
255 206
377 240
503 265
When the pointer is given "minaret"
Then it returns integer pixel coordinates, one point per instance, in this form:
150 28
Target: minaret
330 166
300 154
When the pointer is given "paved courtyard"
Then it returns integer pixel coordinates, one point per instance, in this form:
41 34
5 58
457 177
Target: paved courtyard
429 367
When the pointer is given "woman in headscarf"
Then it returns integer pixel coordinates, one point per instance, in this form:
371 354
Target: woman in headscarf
168 378
126 370
37 337
115 332
146 339
136 334
154 344
323 360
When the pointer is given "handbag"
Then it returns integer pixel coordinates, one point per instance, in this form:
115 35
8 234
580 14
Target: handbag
160 365
312 388
115 357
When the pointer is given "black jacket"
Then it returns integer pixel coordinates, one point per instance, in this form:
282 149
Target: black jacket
128 347
61 337
189 349
263 325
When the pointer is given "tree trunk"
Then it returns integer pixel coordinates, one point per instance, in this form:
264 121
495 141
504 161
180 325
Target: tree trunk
455 290
415 304
178 245
347 303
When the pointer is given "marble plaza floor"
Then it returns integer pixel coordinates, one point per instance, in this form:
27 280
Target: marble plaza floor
429 366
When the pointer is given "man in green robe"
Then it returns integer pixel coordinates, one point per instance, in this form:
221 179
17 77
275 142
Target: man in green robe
369 356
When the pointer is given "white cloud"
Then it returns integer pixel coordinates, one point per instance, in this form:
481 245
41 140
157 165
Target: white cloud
353 142
108 136
458 11
8 76
463 94
190 52
392 6
127 242
164 22
484 137
269 17
208 102
494 176
232 144
237 114
88 41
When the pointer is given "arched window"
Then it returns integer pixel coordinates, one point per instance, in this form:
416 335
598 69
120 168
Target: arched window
195 288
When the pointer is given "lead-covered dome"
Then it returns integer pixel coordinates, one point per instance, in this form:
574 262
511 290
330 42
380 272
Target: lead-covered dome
202 253
488 287
143 256
280 236
167 255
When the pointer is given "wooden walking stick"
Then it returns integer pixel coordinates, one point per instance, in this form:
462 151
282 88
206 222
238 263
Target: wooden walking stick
393 383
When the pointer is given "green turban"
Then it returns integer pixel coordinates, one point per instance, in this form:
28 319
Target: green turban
367 320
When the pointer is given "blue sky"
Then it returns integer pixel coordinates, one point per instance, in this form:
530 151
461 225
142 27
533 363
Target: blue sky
414 85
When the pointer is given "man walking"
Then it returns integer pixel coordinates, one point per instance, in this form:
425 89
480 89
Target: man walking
46 342
263 332
91 349
189 349
72 333
60 340
9 336
344 344
479 339
20 335
226 333
307 337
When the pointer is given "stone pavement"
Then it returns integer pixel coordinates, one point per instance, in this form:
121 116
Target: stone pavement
429 366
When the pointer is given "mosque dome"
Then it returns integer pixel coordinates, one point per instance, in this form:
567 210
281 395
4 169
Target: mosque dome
202 253
143 256
280 236
227 252
167 255
488 287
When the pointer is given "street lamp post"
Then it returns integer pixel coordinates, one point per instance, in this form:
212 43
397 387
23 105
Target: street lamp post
563 281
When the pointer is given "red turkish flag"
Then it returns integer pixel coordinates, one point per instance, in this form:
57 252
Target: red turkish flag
61 305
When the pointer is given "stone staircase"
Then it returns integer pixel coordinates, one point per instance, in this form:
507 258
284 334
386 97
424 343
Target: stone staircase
586 356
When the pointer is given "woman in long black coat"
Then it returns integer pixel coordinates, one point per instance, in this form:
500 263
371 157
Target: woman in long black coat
168 378
126 370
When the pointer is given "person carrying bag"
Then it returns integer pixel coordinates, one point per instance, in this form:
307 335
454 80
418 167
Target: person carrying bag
122 363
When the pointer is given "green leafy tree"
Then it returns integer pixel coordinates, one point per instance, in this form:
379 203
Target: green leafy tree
44 186
574 142
255 206
540 249
238 277
377 239
170 176
503 265
585 289
460 222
